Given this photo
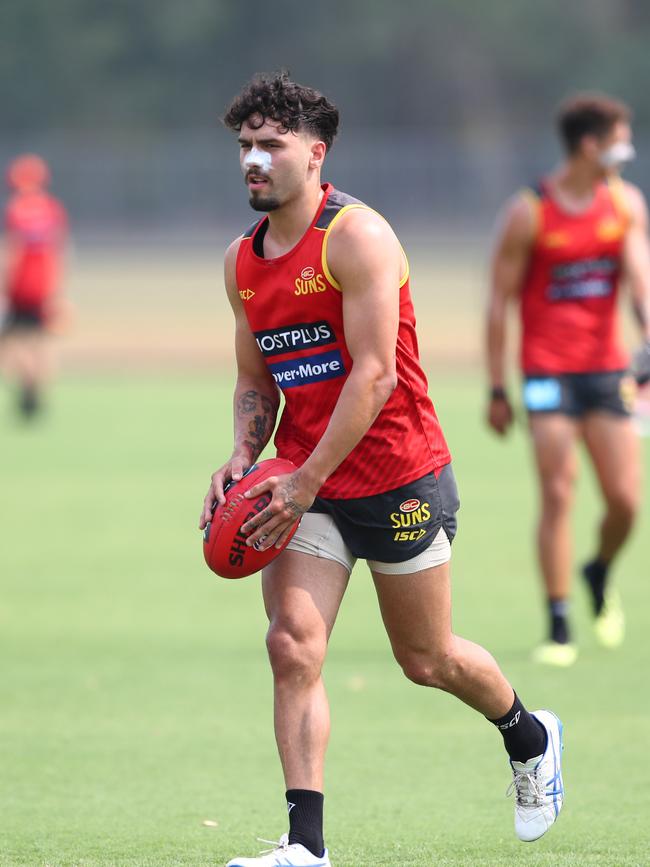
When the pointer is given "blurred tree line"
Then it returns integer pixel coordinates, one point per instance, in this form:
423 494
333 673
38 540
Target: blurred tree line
169 64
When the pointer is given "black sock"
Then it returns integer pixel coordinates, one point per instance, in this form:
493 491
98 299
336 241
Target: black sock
523 735
29 401
595 574
559 625
306 819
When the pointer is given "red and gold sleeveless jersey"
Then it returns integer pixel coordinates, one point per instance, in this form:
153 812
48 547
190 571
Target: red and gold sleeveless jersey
569 296
35 224
294 309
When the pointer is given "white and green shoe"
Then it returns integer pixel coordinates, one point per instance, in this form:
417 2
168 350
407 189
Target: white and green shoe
609 625
555 653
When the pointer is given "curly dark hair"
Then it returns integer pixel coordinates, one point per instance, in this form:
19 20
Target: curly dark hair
589 114
292 105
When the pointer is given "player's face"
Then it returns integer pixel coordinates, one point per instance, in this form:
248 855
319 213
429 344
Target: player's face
275 163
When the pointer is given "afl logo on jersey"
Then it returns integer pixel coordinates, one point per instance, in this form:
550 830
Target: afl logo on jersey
309 282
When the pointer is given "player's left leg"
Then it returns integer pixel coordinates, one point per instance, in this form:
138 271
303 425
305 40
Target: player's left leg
613 445
26 361
416 609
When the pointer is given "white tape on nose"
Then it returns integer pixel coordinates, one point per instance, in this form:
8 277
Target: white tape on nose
619 153
259 159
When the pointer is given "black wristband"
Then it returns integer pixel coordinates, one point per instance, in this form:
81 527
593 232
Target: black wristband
498 392
641 363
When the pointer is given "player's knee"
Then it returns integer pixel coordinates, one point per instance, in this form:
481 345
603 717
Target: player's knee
293 654
558 494
439 672
624 503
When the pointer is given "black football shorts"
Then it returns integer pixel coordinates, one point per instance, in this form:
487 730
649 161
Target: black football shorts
399 524
23 319
576 394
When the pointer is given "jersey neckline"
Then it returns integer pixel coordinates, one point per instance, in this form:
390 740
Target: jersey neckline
327 190
574 215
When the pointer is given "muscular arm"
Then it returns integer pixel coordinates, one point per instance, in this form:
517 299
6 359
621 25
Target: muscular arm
256 397
636 268
367 261
636 258
509 262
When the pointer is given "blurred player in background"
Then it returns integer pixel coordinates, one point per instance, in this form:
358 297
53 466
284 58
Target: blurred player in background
35 231
561 253
320 294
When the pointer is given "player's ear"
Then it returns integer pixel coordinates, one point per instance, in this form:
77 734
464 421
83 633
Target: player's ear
589 146
317 154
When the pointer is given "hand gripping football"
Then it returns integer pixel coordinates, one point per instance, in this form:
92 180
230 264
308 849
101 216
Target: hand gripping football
224 545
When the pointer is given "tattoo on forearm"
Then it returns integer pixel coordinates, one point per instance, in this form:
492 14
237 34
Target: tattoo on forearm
247 403
260 413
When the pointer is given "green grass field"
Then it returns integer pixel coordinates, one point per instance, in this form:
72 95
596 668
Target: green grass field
135 699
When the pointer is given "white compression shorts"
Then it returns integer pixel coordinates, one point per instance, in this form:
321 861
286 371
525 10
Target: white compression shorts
319 536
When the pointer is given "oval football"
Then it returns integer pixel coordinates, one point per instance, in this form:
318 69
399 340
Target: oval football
224 545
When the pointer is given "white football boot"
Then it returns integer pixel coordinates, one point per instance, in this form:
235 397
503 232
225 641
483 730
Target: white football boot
537 783
283 855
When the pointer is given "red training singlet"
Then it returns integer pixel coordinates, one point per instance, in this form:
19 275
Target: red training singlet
569 297
35 224
294 309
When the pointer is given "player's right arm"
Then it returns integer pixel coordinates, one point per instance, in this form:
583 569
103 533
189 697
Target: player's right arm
636 266
508 267
256 398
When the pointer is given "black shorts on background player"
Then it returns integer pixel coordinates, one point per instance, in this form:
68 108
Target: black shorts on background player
23 319
399 524
575 394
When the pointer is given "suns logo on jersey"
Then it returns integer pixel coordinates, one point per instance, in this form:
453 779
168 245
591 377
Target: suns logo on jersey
553 240
246 294
609 229
309 282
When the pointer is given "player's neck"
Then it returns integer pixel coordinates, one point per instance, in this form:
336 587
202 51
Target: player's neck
576 182
289 223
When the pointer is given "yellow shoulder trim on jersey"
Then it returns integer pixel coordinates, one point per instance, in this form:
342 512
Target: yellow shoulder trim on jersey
326 269
408 268
532 198
619 199
336 217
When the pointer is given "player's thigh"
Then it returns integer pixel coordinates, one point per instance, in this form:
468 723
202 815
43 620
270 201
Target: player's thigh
416 610
36 342
554 437
614 448
303 593
15 353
